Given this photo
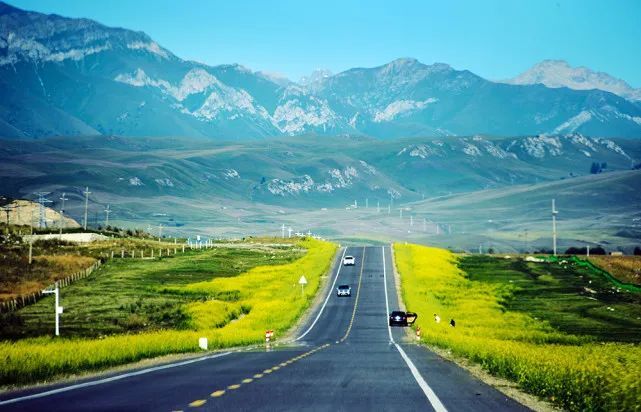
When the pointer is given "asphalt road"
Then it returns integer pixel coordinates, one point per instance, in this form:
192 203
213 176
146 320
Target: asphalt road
345 358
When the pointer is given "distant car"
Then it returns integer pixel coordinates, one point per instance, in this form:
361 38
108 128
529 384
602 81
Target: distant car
400 318
349 261
344 290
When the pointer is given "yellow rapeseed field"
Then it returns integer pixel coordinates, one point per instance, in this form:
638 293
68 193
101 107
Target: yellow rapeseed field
270 298
568 370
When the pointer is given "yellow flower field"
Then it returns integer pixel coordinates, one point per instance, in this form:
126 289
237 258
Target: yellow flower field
568 370
270 298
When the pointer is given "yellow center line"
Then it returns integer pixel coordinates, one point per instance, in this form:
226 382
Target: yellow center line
248 380
217 394
358 292
197 403
267 371
258 376
232 387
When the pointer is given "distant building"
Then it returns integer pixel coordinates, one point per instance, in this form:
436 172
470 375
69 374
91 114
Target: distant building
616 253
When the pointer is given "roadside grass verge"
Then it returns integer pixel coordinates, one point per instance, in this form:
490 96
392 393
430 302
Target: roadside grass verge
495 328
230 310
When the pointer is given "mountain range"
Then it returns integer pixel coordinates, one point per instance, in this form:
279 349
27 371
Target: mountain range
63 77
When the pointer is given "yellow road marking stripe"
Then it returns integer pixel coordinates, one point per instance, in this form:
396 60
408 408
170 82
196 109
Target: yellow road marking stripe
197 403
217 393
358 292
275 368
267 371
258 376
248 380
232 387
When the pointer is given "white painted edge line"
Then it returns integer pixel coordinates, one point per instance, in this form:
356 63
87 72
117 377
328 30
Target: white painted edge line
329 294
431 396
110 379
389 330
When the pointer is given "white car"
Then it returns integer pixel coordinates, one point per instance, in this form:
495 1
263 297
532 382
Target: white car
349 261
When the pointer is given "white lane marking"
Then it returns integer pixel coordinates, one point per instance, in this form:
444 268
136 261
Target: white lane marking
431 396
329 294
111 379
389 330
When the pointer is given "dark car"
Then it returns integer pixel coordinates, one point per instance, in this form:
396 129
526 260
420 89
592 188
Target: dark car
400 318
344 290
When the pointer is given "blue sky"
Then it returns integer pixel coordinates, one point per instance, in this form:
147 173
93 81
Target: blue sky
495 39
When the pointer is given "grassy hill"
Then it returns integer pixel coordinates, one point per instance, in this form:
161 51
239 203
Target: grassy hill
470 190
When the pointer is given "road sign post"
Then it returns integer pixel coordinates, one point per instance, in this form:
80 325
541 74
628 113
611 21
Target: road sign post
302 282
58 309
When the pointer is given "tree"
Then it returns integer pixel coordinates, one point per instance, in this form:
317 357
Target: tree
576 251
637 251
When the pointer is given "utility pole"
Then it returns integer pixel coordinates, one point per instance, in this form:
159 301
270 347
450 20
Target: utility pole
159 231
282 231
355 204
554 213
62 211
42 222
527 244
378 206
58 308
400 212
87 193
411 220
438 229
107 211
289 231
588 251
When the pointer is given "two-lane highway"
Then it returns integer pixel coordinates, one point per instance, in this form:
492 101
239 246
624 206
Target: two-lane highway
345 358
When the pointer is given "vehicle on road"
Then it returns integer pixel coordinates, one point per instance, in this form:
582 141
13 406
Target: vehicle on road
400 318
344 290
349 261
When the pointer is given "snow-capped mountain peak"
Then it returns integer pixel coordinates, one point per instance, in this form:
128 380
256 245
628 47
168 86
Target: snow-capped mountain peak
558 73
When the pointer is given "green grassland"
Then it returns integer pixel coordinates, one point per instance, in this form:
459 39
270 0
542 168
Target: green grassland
136 295
571 299
558 331
54 260
230 294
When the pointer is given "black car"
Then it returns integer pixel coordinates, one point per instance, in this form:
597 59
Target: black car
400 318
344 290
